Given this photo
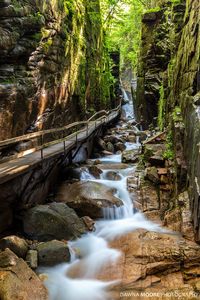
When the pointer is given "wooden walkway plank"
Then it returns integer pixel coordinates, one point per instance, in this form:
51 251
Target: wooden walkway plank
18 166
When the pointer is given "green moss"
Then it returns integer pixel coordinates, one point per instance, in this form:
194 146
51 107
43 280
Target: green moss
47 44
169 152
171 71
45 33
177 115
161 109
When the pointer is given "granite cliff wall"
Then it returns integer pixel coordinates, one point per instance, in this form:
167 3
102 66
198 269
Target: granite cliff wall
53 64
168 92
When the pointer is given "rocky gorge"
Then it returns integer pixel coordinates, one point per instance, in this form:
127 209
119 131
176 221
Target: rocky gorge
121 221
101 230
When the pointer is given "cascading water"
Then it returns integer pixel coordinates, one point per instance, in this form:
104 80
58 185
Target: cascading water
127 108
89 254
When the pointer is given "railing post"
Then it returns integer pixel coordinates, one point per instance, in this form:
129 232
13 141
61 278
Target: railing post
64 146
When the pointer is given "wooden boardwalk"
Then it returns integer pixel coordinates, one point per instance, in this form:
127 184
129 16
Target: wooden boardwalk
14 167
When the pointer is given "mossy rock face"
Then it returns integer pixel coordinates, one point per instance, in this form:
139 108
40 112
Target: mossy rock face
169 63
161 34
57 60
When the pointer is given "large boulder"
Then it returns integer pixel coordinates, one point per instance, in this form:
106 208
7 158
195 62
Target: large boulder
53 253
153 262
88 198
151 174
131 139
110 147
130 156
113 139
112 166
113 175
120 146
18 245
17 280
53 221
95 171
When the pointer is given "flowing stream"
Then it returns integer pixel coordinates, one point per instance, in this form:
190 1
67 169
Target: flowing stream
89 254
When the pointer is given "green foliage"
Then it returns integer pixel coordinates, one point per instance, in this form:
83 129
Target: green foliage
154 9
176 1
69 6
169 153
161 109
122 24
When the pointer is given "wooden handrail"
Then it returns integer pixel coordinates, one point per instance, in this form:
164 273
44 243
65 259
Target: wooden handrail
42 145
30 136
40 133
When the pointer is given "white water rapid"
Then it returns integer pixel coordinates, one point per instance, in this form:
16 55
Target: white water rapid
77 280
127 108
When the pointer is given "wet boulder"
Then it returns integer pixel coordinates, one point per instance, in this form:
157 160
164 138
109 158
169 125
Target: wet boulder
113 175
113 139
71 173
131 138
89 223
114 166
130 156
95 171
18 281
106 153
88 198
18 245
110 147
52 253
101 144
53 221
120 146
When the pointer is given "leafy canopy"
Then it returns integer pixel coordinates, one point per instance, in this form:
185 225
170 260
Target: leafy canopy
122 25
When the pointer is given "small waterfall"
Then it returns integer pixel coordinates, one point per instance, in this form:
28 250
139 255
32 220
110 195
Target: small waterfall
115 158
85 175
114 213
127 108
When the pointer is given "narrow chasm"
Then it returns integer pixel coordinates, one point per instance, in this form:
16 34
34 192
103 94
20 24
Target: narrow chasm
99 149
